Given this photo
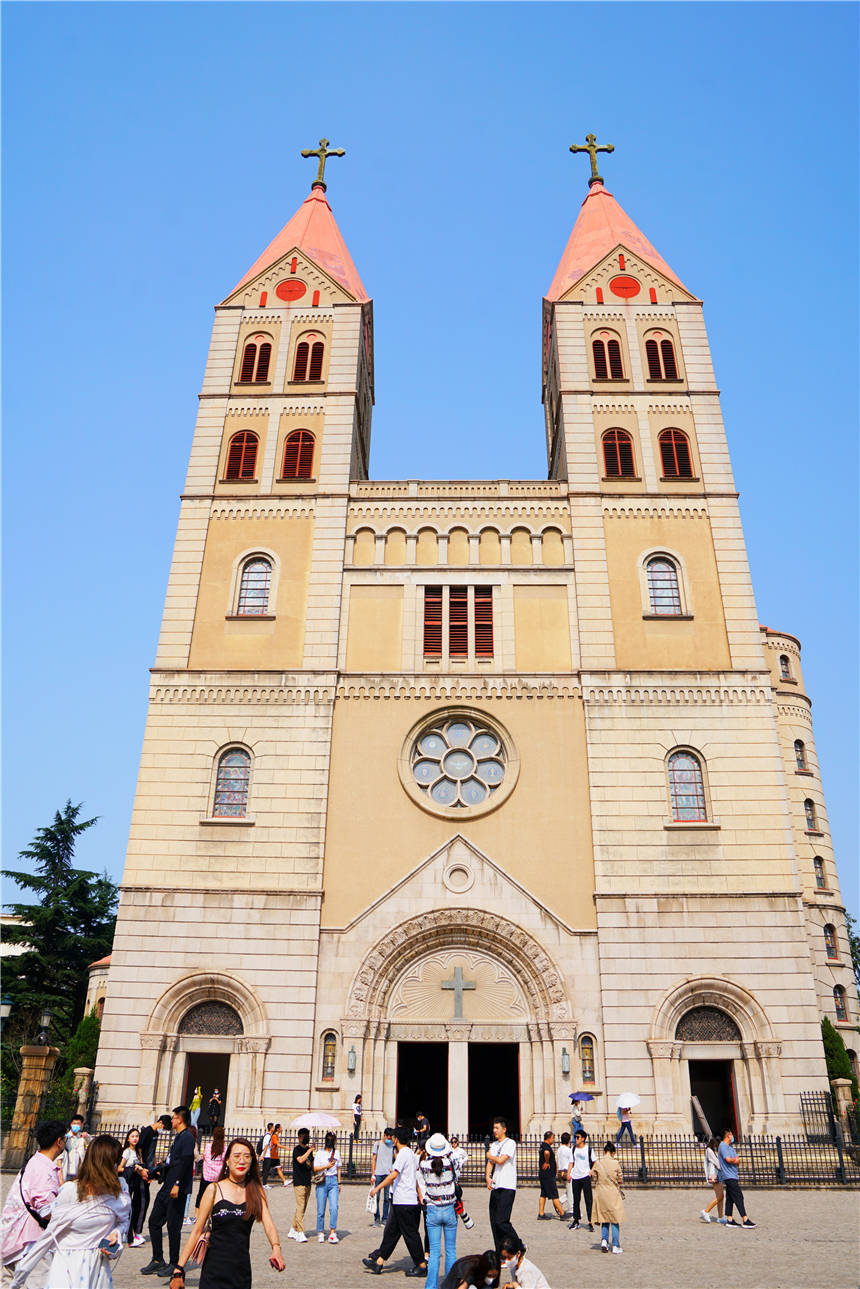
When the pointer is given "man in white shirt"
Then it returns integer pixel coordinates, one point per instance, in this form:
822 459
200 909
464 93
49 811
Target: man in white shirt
502 1182
580 1177
565 1163
404 1214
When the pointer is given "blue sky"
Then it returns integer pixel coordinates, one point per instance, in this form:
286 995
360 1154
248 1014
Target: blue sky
151 151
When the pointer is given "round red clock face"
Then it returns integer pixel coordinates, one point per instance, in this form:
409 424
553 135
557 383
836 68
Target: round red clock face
292 289
624 286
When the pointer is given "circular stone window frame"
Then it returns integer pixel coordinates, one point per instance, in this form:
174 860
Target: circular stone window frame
422 799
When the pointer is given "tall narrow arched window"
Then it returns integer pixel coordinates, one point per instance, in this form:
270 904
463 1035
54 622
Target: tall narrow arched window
811 816
830 949
820 877
664 591
298 455
686 788
839 1002
309 358
254 584
232 781
800 754
784 667
675 455
618 460
586 1058
606 350
660 353
329 1056
256 357
242 455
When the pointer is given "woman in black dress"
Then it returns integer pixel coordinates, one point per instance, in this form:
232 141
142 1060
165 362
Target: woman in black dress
233 1203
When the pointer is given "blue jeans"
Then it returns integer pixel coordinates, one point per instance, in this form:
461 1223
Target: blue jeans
383 1198
440 1218
615 1242
327 1193
626 1126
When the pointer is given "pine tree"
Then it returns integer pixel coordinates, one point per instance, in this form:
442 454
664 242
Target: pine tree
836 1056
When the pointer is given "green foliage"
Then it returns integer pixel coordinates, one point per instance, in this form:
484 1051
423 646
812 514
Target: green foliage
836 1056
854 943
80 1052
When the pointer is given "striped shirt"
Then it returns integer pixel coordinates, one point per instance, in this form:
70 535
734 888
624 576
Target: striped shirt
440 1186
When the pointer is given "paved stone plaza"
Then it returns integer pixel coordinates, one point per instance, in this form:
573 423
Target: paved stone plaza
805 1240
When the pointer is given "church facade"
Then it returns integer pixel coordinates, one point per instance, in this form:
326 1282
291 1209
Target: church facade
466 796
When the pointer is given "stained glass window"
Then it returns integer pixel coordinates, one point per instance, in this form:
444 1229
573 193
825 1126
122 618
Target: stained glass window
231 785
686 788
254 588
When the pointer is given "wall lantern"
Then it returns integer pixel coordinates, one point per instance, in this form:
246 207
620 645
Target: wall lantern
350 1061
565 1061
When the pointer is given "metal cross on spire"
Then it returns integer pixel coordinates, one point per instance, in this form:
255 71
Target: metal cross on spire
592 149
323 152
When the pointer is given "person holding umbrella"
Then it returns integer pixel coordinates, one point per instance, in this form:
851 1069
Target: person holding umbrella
578 1099
625 1104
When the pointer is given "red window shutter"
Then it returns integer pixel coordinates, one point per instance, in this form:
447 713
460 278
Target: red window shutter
315 371
242 456
611 463
616 371
458 621
653 355
600 371
669 368
249 357
626 463
675 455
263 363
306 455
483 622
300 371
432 621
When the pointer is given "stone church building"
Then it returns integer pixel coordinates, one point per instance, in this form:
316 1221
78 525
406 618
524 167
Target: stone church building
470 795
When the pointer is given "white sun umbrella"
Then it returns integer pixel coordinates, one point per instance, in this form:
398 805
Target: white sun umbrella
316 1119
627 1101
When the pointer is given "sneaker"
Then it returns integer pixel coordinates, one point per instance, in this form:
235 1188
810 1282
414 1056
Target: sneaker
137 1241
332 1237
416 1271
721 1221
573 1226
291 1235
730 1221
544 1217
154 1268
604 1246
321 1237
748 1225
591 1226
301 1238
703 1215
618 1249
562 1217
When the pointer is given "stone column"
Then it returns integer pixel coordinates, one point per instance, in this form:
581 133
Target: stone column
37 1064
841 1099
83 1085
768 1053
665 1062
458 1078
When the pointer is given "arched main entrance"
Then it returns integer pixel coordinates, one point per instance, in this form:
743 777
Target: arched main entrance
465 1009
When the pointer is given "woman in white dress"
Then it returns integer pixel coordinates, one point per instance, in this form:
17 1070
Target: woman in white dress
87 1221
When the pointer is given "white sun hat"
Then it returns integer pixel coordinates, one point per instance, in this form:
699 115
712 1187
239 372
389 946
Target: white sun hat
437 1145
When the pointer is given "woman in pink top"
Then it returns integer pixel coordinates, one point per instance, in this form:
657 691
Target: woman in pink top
213 1163
37 1186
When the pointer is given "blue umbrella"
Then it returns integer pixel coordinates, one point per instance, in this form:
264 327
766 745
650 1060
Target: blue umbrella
581 1096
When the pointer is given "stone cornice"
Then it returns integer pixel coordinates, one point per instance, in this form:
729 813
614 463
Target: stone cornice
280 689
312 898
264 508
652 510
453 509
694 898
673 693
802 714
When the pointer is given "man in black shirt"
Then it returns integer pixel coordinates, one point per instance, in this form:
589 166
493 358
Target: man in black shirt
548 1179
303 1168
422 1129
177 1171
146 1146
214 1109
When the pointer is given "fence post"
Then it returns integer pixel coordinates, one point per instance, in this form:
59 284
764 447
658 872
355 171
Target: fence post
350 1167
644 1166
780 1162
839 1143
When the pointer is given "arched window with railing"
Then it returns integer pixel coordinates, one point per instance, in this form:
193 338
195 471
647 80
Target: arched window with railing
310 352
664 587
618 462
800 754
255 581
329 1056
686 787
660 353
242 455
232 782
811 815
586 1058
831 951
675 455
298 460
256 357
606 351
839 1002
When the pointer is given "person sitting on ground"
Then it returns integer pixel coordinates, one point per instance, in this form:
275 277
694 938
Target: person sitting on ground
516 1270
475 1271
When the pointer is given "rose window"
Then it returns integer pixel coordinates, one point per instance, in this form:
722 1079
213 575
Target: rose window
458 763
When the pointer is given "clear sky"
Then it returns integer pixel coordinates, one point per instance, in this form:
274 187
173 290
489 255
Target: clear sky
151 151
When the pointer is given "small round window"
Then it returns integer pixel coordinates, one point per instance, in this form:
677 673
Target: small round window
459 761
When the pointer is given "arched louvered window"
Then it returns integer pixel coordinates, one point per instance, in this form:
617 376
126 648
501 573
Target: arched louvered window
607 357
830 943
618 460
298 455
686 788
254 585
839 1002
231 784
800 753
242 455
255 362
811 816
784 667
329 1055
586 1058
818 868
664 590
660 353
675 455
309 359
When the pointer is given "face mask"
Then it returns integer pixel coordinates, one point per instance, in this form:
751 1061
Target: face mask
389 1141
76 1127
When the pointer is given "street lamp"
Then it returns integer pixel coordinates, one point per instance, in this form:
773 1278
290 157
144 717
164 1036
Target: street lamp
45 1022
5 1007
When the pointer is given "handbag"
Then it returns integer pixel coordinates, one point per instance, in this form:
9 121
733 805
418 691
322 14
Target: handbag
370 1205
201 1248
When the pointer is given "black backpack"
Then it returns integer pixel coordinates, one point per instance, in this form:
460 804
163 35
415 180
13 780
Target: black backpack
260 1143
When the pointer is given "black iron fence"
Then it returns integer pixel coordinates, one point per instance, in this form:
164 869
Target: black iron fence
819 1120
796 1160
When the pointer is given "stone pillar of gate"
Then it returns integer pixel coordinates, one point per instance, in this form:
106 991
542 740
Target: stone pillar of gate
37 1064
83 1084
458 1078
841 1098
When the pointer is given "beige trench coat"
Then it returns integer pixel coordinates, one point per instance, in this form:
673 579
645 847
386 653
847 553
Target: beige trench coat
607 1178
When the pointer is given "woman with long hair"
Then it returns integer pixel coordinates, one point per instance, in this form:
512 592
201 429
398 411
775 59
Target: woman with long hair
712 1177
88 1221
233 1203
130 1167
213 1162
327 1166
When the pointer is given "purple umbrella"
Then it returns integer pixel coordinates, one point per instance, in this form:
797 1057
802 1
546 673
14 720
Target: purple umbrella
581 1096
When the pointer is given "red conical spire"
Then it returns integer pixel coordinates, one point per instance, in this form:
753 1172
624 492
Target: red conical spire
601 226
313 230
